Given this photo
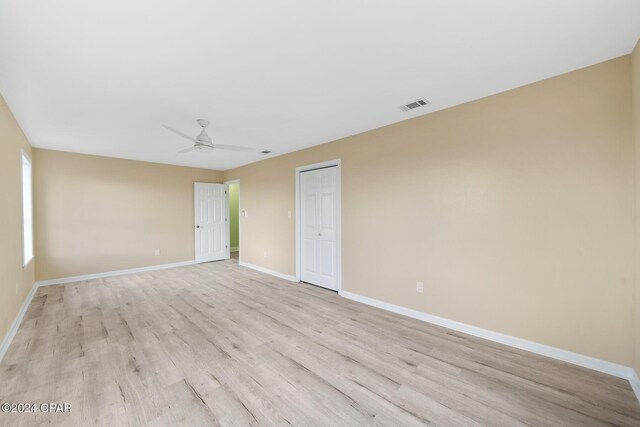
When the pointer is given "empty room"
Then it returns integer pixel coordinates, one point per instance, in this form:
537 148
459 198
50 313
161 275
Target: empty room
321 213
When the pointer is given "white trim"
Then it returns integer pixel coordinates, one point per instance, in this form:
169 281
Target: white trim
233 181
635 383
6 341
23 156
267 271
227 243
599 365
329 163
71 279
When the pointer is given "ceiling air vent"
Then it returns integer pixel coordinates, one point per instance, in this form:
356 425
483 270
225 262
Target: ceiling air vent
415 104
265 151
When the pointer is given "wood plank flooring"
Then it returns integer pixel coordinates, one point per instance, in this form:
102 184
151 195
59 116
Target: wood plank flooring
218 344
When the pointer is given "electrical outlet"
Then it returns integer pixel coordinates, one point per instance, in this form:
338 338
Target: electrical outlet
265 254
289 214
157 252
419 287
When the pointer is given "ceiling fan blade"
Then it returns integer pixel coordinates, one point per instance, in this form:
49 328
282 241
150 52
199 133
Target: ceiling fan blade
186 150
176 131
235 148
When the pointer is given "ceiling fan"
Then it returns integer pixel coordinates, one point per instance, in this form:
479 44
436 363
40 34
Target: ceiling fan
204 143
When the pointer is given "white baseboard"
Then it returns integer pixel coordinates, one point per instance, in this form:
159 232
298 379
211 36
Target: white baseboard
267 271
71 279
6 341
234 249
610 368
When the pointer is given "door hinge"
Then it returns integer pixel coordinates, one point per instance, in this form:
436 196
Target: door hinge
225 246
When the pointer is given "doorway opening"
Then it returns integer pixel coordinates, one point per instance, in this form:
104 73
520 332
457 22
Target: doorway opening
234 219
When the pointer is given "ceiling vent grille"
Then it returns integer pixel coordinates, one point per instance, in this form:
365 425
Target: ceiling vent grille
415 104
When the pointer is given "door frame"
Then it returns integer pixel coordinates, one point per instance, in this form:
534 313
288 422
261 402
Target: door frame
233 181
306 168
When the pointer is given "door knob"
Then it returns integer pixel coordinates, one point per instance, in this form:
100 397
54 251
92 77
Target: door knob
197 226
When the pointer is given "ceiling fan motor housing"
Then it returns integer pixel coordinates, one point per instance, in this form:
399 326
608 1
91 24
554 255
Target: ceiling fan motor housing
203 138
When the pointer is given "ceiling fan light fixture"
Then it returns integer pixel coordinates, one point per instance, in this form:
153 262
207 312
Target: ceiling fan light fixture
203 147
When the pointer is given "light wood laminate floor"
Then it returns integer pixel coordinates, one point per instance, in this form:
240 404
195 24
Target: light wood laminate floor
218 344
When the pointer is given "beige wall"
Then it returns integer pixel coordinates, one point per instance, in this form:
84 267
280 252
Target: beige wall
96 214
15 281
635 93
516 211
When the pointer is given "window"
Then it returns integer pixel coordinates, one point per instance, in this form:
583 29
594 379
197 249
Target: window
27 210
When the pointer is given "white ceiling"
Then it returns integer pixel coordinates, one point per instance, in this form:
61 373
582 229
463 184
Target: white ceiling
102 77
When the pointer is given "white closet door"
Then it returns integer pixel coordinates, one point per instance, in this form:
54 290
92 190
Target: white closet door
318 204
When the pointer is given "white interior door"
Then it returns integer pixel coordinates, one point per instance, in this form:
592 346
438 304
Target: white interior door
318 226
211 222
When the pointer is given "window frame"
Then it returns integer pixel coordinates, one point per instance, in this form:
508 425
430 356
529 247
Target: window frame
25 157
